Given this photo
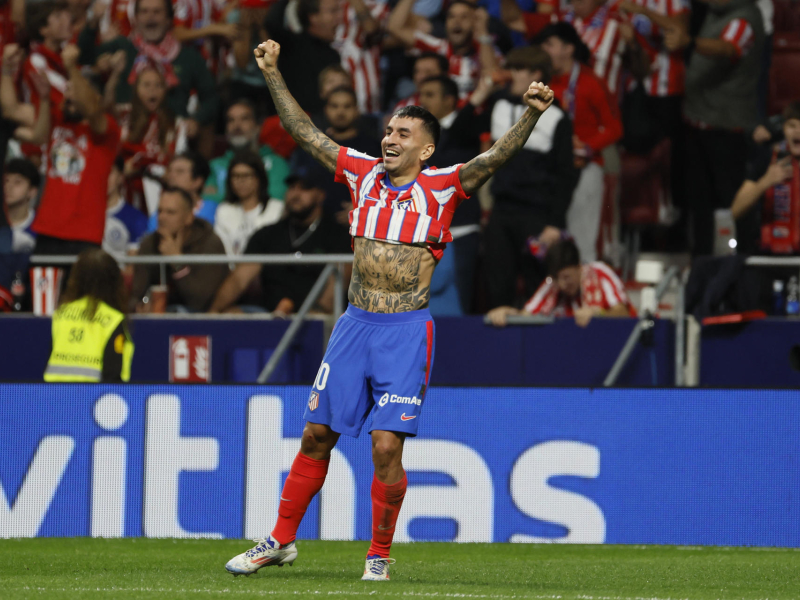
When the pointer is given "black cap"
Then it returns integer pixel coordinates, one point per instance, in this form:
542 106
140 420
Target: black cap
304 177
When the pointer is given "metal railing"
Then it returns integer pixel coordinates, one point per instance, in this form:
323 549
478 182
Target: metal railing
334 266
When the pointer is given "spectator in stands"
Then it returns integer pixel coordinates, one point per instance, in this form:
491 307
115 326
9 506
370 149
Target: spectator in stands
596 124
426 65
152 38
78 13
573 290
246 80
247 206
12 21
48 25
91 340
305 229
307 53
459 142
151 134
333 78
358 42
84 143
21 181
193 22
241 133
20 120
532 192
125 225
469 48
343 119
190 287
189 171
776 182
720 105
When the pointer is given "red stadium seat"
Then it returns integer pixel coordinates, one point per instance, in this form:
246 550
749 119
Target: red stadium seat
787 16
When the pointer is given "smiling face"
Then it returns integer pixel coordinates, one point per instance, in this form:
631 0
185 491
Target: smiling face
458 25
405 146
151 89
791 131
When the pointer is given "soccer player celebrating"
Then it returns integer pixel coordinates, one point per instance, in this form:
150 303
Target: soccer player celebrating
379 356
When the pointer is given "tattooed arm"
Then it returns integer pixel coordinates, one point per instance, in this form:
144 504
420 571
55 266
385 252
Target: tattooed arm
322 148
477 171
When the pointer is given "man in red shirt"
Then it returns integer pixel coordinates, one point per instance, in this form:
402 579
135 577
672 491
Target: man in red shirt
84 142
596 124
573 290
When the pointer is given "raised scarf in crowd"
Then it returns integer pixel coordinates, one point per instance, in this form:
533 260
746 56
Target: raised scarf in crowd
780 223
163 53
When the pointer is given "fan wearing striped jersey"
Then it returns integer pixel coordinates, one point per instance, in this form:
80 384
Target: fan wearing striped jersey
380 354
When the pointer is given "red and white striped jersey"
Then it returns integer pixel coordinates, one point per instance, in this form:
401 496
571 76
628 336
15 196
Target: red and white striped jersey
668 69
600 287
417 213
600 32
739 33
464 70
360 57
412 100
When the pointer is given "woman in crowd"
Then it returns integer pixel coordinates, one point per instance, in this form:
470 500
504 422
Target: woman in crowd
151 134
247 206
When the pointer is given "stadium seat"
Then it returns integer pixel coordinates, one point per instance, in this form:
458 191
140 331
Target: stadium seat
787 16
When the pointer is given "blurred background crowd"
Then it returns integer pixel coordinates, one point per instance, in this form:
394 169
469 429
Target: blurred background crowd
145 127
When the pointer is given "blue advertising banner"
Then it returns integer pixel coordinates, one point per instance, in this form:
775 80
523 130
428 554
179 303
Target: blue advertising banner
625 466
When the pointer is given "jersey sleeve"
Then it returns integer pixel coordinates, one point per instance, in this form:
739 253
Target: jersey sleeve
351 166
425 42
739 33
537 303
445 184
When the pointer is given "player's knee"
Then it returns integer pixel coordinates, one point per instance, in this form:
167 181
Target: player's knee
315 438
387 450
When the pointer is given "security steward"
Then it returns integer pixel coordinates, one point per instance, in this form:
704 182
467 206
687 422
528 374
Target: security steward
91 341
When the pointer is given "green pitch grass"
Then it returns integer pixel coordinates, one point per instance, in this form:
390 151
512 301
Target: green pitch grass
141 568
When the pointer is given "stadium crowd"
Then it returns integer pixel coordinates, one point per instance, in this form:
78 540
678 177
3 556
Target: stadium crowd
145 127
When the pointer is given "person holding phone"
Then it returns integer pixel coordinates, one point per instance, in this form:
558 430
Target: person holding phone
777 182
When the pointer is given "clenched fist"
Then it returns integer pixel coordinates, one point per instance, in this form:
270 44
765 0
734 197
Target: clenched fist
538 96
267 55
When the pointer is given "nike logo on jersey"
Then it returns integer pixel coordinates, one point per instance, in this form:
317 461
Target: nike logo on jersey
403 417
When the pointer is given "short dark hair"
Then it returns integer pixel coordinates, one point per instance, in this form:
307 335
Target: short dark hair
38 13
448 86
185 196
306 8
532 58
567 34
200 167
444 64
562 255
429 122
24 168
464 2
253 160
792 111
246 102
342 89
167 5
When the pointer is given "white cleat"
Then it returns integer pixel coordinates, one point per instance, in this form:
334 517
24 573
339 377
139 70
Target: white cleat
377 568
267 553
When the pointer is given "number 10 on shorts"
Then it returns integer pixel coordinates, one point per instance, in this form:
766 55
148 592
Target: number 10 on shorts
322 376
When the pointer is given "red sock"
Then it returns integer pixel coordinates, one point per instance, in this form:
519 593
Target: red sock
386 503
304 481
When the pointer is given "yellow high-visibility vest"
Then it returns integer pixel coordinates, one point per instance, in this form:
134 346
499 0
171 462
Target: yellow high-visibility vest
79 342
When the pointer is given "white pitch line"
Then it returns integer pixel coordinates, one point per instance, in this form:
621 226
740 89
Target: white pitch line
382 592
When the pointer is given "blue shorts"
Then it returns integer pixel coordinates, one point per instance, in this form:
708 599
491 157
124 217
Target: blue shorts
380 361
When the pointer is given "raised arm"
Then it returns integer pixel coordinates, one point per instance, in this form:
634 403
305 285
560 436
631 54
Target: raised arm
478 171
318 145
88 100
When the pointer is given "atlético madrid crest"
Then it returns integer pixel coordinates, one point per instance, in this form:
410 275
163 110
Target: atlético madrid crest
313 401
